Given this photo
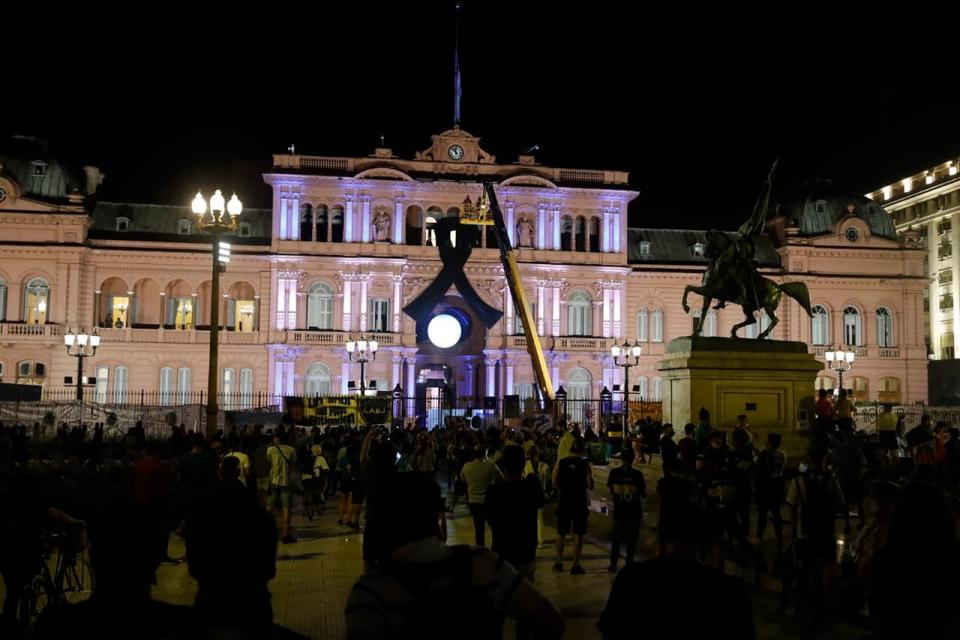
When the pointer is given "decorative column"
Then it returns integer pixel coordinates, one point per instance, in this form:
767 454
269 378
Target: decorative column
397 364
511 225
542 225
397 301
617 318
540 306
557 227
344 374
348 220
313 224
301 311
605 232
616 230
607 327
508 310
256 313
491 378
365 218
411 388
597 312
934 290
295 217
398 222
469 368
283 216
510 363
96 308
556 308
362 311
347 302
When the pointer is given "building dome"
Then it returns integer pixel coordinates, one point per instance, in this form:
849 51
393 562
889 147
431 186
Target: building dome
820 204
29 163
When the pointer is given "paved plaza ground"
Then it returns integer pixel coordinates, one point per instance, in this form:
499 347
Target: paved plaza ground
315 574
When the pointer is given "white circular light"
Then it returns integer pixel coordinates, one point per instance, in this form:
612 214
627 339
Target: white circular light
444 331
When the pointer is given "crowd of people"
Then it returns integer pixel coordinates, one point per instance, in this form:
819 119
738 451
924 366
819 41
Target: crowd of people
231 496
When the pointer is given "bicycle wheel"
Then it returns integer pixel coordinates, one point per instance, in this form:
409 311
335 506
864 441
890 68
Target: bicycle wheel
74 577
39 595
309 510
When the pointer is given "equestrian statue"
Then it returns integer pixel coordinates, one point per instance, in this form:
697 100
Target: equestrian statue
733 273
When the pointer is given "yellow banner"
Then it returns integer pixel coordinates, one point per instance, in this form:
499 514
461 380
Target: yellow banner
340 410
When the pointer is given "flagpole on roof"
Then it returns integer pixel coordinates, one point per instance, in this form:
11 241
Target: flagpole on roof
457 88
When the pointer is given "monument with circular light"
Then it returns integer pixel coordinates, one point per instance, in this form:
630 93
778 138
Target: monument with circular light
444 331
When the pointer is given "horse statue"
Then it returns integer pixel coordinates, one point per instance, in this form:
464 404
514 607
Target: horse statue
733 275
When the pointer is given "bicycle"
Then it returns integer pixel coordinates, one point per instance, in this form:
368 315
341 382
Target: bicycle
314 502
71 580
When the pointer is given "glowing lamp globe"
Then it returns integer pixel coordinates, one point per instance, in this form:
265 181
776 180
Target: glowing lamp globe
444 331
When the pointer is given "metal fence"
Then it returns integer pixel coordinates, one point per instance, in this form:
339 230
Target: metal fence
143 397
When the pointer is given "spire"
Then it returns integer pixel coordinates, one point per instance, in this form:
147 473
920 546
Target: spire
457 88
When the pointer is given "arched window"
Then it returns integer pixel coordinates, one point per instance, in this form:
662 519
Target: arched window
166 386
642 326
228 389
36 301
566 233
885 336
581 233
852 329
322 222
120 385
317 380
579 393
320 307
518 319
657 389
246 388
579 315
336 224
434 214
306 221
639 391
889 390
103 385
656 326
183 385
820 326
414 225
595 235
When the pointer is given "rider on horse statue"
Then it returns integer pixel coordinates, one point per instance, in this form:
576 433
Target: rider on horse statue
733 273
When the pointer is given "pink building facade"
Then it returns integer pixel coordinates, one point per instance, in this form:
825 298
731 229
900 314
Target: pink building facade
349 242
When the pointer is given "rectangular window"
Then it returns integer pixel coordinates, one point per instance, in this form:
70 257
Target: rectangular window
379 320
518 321
945 276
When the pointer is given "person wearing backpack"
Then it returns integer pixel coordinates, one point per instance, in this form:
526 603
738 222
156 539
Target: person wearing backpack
815 498
283 460
429 591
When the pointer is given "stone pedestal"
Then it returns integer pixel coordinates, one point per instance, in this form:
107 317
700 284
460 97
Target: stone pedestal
770 381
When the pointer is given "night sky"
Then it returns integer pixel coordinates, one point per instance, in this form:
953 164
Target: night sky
695 106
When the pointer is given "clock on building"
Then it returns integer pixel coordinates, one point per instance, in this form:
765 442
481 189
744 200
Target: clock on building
852 234
455 152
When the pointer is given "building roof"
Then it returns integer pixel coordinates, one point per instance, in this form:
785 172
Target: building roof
29 162
675 246
160 222
820 204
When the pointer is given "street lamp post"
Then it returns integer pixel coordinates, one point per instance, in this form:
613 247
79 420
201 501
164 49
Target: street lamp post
362 351
81 345
216 224
839 361
626 356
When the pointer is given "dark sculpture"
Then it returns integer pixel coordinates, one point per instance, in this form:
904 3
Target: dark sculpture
733 274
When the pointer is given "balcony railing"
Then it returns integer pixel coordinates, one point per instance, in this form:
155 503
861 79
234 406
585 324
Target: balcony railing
563 343
887 352
31 332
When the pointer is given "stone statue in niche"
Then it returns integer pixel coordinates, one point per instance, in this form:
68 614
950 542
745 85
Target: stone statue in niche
381 225
524 233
